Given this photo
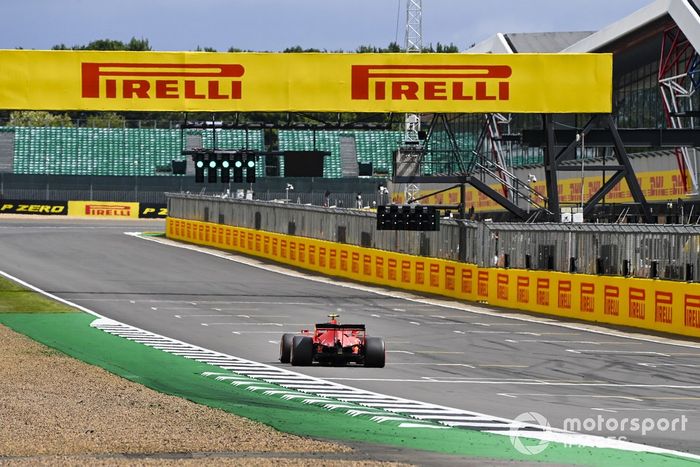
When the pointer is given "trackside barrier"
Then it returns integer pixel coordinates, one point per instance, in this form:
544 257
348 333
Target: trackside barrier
95 209
657 305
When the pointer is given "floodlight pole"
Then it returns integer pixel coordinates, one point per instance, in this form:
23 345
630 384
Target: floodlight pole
462 223
413 44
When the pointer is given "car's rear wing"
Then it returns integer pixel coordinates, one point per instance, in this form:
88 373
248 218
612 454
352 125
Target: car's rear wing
358 327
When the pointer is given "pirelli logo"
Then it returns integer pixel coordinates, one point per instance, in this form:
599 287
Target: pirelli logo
467 275
355 263
392 269
587 297
333 256
431 82
379 267
161 81
450 272
663 307
523 293
611 300
502 281
434 275
636 302
564 294
420 272
691 311
406 271
343 260
293 251
367 265
322 257
107 210
482 283
543 292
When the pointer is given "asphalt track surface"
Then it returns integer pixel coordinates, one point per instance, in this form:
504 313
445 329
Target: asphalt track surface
498 363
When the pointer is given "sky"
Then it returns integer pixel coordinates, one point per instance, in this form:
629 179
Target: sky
273 25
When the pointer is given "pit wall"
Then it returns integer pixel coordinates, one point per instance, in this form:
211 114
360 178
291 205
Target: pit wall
657 305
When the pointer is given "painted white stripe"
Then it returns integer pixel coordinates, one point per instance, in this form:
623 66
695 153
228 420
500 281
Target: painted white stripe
447 417
618 352
275 392
382 418
359 396
338 406
420 425
229 378
477 424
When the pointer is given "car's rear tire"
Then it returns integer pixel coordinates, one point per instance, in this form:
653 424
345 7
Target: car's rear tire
286 347
375 352
302 351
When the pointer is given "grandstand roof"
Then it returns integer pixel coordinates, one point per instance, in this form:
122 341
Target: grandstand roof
544 41
640 31
654 16
529 42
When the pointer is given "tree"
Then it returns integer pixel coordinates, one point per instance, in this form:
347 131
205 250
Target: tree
446 49
393 47
104 44
299 49
105 120
138 45
39 118
134 45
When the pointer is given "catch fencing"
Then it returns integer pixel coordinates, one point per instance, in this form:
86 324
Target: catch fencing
342 225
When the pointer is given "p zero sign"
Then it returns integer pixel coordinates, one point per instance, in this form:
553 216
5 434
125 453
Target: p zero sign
196 81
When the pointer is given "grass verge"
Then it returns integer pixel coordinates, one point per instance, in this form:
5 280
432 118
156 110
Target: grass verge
16 299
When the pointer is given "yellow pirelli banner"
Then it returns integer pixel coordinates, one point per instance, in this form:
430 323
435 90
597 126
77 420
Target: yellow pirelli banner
657 186
103 209
319 82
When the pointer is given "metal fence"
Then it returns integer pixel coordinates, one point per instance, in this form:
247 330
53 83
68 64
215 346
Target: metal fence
343 225
152 189
89 188
637 250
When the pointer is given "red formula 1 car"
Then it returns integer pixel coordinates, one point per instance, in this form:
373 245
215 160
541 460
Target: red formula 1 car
333 343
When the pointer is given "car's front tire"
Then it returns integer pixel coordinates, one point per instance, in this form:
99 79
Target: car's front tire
302 351
286 347
375 352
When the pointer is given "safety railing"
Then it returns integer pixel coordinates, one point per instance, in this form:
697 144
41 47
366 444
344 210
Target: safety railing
635 250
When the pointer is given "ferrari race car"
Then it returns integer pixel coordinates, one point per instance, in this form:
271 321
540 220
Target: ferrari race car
333 343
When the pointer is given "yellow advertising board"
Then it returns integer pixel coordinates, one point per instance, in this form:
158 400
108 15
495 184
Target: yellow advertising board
320 82
103 209
656 186
652 304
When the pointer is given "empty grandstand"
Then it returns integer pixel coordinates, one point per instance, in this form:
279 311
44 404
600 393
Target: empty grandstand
111 151
373 147
149 151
